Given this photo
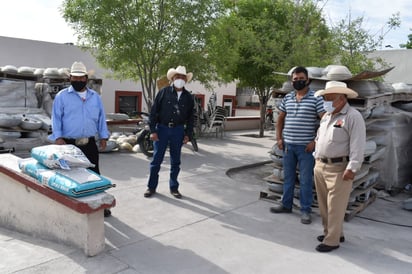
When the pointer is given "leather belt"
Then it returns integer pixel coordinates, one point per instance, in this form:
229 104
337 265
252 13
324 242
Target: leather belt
171 125
78 141
333 160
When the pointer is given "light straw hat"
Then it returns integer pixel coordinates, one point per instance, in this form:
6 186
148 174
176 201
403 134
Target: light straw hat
78 69
336 87
179 70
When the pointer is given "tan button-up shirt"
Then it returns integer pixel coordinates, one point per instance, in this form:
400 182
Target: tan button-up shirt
342 134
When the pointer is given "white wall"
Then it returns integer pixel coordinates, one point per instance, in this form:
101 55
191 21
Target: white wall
401 59
39 54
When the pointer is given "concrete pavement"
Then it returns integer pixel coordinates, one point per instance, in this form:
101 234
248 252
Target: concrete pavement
220 225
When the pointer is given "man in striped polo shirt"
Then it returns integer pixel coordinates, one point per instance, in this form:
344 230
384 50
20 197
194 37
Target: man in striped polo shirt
295 133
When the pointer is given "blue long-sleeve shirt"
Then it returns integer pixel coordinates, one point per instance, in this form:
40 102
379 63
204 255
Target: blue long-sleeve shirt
73 117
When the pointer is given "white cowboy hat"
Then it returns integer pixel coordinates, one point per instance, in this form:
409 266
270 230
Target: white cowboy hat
78 69
179 70
336 87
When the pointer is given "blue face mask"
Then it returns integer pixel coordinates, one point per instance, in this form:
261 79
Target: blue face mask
328 106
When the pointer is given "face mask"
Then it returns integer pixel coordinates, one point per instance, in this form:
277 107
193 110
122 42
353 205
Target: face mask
179 83
78 85
328 106
299 84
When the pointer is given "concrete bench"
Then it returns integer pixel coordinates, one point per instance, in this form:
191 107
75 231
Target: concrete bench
31 208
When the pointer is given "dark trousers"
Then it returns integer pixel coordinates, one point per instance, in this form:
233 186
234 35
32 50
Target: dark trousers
172 137
90 150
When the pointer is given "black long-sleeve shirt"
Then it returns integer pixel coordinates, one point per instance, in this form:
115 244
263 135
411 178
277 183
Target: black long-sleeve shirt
168 109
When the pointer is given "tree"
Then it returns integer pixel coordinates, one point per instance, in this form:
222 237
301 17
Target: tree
259 37
408 44
355 42
140 40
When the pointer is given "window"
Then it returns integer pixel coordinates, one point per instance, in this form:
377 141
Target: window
128 102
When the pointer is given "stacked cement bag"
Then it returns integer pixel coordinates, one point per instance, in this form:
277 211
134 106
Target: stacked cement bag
17 93
25 110
393 131
23 131
63 168
388 151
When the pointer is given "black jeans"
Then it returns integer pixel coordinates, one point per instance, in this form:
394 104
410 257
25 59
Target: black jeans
90 150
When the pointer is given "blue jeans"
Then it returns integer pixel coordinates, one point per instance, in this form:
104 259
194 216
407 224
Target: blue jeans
172 137
295 156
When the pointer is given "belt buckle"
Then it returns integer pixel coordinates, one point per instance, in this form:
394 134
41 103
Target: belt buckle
82 141
171 124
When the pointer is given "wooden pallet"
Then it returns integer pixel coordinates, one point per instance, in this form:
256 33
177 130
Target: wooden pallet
276 197
370 101
351 210
357 207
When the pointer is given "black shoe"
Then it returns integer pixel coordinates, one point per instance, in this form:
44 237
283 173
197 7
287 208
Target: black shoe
149 192
107 212
305 218
280 209
326 248
321 237
176 193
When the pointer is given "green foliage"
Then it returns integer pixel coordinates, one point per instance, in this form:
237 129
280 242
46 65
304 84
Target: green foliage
408 44
355 42
257 38
141 40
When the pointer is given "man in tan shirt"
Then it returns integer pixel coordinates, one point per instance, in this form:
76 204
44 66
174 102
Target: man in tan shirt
339 153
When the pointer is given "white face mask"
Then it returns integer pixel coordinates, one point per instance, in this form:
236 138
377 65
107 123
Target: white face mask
179 83
328 106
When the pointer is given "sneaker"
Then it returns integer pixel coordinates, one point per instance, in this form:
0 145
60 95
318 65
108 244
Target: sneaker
280 209
305 218
176 193
149 192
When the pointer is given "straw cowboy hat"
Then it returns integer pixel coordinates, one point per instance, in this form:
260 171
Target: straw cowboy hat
336 87
179 70
78 69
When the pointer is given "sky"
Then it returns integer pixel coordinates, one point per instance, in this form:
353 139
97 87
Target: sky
41 19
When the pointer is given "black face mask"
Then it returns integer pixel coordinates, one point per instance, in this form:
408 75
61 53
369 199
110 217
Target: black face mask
299 84
78 85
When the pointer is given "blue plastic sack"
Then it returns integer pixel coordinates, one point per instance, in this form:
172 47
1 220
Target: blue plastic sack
77 182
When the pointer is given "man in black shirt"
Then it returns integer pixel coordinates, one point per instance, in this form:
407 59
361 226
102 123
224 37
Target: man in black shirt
171 124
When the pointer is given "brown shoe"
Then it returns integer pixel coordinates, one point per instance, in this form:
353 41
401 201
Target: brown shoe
176 194
149 192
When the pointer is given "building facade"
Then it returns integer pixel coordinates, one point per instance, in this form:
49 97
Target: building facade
39 54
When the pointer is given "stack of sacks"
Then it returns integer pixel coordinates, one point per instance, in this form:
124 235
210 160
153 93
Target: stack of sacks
63 168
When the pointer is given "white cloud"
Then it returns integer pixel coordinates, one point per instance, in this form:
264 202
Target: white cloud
375 14
41 19
35 20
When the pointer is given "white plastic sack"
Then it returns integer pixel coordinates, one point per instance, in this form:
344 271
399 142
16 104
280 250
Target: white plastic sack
60 156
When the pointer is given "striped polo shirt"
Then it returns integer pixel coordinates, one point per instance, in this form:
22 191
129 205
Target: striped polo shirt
301 117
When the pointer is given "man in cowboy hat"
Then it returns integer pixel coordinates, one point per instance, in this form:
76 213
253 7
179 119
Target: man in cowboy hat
171 124
78 116
340 145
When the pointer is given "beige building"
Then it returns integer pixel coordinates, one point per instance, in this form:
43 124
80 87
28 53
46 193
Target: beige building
401 59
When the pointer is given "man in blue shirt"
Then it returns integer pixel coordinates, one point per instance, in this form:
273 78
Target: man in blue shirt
295 133
171 124
78 117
